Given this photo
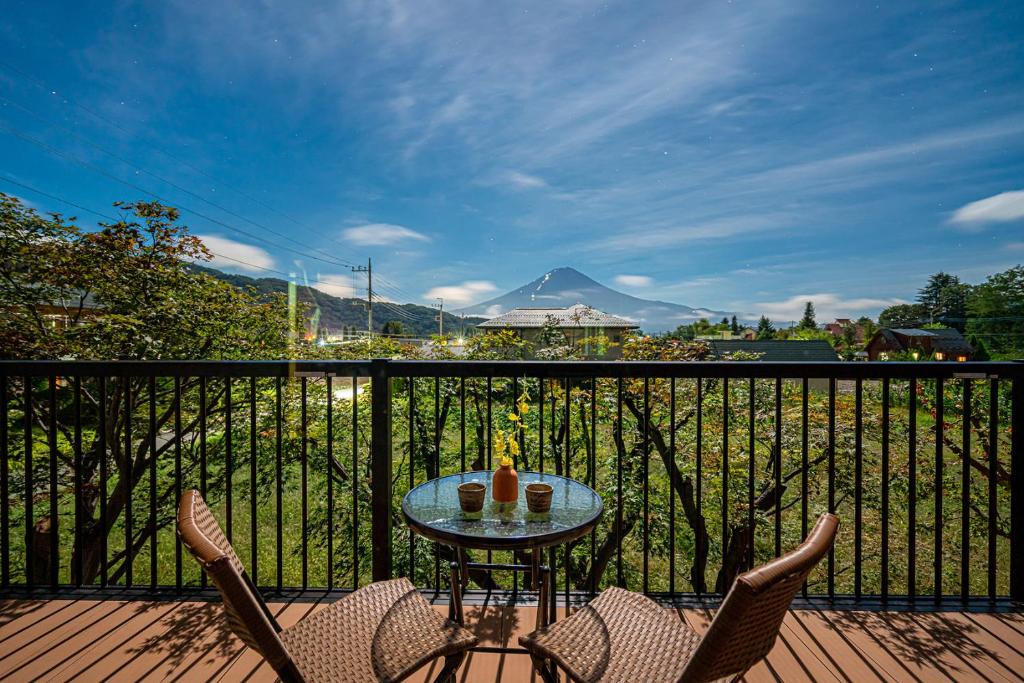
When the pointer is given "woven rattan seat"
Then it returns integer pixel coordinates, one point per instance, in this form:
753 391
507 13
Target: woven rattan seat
381 632
624 636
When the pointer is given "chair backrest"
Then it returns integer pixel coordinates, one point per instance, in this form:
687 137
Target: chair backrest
746 625
247 613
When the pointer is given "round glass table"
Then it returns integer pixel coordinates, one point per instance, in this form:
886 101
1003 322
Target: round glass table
432 510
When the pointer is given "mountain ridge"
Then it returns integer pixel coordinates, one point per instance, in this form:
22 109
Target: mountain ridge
348 312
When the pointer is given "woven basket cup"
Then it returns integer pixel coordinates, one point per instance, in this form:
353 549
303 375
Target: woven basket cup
471 496
538 497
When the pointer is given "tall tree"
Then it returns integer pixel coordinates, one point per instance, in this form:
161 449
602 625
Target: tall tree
996 309
944 298
765 328
121 292
734 325
903 316
808 321
394 327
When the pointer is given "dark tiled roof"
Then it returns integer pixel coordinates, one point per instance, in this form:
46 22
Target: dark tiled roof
577 315
946 340
914 332
777 349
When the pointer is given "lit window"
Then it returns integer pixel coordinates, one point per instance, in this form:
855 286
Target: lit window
961 359
939 355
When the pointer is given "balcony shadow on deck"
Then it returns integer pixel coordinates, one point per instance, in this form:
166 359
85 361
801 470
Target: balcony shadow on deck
131 640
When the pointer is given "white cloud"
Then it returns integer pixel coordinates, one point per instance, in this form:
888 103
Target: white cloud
524 181
647 238
335 285
1005 206
827 307
1015 246
633 280
460 295
228 253
377 234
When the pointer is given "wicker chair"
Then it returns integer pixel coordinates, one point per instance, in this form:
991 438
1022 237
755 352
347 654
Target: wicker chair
382 632
624 636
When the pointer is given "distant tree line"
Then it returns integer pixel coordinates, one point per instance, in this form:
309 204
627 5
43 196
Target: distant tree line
990 314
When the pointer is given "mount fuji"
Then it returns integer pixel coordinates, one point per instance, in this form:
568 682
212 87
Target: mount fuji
566 286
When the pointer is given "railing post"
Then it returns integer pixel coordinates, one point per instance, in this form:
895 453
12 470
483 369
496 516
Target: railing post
380 468
1017 490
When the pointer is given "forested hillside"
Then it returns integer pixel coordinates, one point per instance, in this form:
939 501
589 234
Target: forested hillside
337 313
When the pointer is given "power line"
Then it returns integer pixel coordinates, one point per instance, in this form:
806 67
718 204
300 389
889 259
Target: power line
395 289
39 83
114 218
84 164
397 310
160 178
387 306
387 285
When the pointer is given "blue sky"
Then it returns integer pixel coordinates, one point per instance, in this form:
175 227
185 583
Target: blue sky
732 155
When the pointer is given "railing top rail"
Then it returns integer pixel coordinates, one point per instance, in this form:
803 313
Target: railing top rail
704 369
490 368
185 368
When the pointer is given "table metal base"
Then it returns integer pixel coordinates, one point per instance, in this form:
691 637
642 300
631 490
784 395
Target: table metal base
540 580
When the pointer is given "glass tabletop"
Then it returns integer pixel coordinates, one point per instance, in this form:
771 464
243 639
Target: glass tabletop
432 509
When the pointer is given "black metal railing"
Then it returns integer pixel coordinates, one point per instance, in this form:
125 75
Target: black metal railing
706 468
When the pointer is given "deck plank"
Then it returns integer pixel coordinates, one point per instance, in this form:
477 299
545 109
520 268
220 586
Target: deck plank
121 640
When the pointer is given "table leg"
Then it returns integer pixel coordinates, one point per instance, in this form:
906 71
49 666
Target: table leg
463 568
455 601
542 597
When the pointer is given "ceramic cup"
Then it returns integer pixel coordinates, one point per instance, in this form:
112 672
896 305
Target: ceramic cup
538 497
471 496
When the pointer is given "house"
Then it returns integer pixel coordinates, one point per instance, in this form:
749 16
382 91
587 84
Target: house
940 344
61 314
578 323
838 328
772 350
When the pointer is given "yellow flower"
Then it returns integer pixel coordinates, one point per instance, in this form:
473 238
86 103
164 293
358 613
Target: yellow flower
523 408
506 462
513 446
513 417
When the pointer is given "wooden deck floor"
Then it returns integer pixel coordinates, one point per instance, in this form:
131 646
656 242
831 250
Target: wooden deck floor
86 640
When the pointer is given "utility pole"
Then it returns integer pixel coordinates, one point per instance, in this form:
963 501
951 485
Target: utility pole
368 269
440 317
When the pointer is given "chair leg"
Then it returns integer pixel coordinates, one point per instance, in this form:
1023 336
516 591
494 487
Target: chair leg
545 670
451 665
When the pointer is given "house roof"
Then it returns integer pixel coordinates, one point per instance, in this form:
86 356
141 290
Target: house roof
777 349
946 340
575 316
915 332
